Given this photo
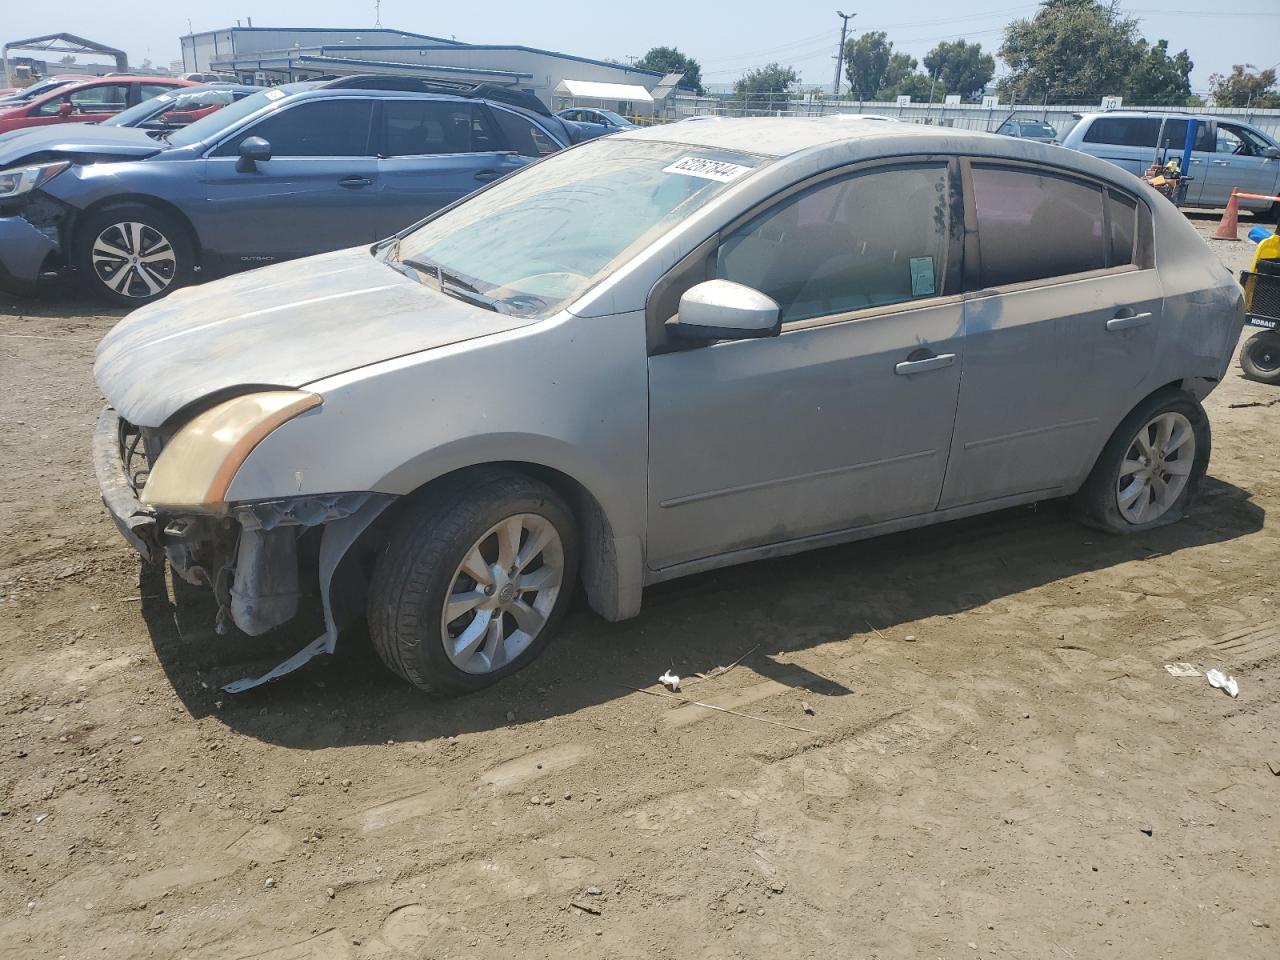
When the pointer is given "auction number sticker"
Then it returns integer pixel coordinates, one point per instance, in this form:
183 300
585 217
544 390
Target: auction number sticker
274 94
707 169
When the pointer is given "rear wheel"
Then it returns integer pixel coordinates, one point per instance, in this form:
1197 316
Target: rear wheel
1260 357
474 583
132 254
1150 468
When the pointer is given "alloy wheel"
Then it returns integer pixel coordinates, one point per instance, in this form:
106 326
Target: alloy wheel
134 259
1156 468
502 593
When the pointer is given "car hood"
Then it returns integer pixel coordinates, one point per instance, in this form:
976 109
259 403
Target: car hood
280 326
72 140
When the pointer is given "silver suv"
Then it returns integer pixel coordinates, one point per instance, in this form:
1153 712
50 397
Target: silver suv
1226 154
655 354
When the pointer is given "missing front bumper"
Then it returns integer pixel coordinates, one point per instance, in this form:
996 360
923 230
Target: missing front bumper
135 520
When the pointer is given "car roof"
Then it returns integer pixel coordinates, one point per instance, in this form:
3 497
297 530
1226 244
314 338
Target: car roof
783 136
824 142
1126 114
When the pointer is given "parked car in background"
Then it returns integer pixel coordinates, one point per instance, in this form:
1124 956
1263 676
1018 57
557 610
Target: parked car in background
88 101
210 77
285 172
1226 154
1028 128
606 118
610 366
26 94
181 107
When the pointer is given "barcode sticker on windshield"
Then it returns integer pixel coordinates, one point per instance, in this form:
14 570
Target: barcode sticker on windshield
707 169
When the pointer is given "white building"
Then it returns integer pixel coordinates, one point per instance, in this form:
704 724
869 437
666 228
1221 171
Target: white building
282 54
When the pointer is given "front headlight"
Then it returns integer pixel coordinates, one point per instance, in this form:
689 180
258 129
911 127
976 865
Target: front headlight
197 466
19 180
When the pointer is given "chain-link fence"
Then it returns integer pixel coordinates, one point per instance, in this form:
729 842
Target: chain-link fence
967 116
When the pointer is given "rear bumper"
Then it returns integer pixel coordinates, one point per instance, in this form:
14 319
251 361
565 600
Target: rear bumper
135 520
23 252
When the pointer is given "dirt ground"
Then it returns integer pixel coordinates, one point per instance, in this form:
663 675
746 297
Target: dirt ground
997 762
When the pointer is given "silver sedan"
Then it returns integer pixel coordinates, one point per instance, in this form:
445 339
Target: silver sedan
671 350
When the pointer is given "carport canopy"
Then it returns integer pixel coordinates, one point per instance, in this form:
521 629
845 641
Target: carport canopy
65 43
596 90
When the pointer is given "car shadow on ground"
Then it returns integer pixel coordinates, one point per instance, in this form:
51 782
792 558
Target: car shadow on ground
769 608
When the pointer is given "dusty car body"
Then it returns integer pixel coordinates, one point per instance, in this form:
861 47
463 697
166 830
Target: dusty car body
656 354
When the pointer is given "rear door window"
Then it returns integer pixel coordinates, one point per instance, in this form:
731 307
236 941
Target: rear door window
316 128
1175 136
422 127
1124 131
104 98
523 135
1036 225
866 240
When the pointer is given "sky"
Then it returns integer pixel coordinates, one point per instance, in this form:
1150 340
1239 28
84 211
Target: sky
728 39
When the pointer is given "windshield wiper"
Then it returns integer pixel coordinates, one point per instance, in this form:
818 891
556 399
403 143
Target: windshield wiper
455 286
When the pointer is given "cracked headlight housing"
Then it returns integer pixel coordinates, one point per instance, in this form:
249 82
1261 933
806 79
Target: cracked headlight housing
17 181
196 467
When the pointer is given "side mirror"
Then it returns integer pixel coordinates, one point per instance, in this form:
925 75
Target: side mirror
724 310
1272 153
65 109
253 150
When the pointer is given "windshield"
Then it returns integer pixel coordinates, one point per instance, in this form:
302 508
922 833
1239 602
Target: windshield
219 120
616 118
542 236
44 86
139 113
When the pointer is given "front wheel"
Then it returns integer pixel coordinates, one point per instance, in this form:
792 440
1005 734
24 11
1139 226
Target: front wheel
132 253
1260 358
1150 468
473 583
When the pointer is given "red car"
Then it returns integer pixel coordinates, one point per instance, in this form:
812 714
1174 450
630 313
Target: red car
89 101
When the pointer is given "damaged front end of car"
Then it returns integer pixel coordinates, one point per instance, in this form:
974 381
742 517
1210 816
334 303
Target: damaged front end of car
259 559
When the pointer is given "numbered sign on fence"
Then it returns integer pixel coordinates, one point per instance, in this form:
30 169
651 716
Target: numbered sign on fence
904 100
952 100
1112 103
990 103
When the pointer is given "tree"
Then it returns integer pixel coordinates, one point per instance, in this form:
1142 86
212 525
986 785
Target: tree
771 78
1157 78
961 67
901 67
1245 86
920 87
1071 51
866 62
67 60
671 60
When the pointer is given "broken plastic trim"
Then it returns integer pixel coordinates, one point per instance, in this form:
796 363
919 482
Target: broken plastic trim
339 535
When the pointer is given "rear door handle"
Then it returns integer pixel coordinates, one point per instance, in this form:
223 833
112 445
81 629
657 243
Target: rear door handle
1124 323
355 183
1221 163
484 176
924 364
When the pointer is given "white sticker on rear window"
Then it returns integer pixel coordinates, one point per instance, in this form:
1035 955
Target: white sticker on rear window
274 94
707 169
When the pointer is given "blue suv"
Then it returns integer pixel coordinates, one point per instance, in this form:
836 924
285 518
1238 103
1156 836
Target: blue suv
288 172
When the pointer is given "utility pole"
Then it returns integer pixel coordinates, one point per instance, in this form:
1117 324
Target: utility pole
844 32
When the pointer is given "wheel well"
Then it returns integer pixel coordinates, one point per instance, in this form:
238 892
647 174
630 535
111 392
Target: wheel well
146 200
598 567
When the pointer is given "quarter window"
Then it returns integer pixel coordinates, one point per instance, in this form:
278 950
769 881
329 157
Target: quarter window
1124 227
420 127
323 128
1124 131
1033 226
863 241
524 136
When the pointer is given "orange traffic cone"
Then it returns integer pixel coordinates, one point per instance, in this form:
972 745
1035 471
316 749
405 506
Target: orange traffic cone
1228 228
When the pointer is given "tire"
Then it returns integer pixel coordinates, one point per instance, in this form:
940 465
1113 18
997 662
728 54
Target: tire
1260 358
431 556
1106 503
110 267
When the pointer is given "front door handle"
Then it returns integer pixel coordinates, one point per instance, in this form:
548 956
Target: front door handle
484 176
1221 163
355 183
924 364
1123 322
